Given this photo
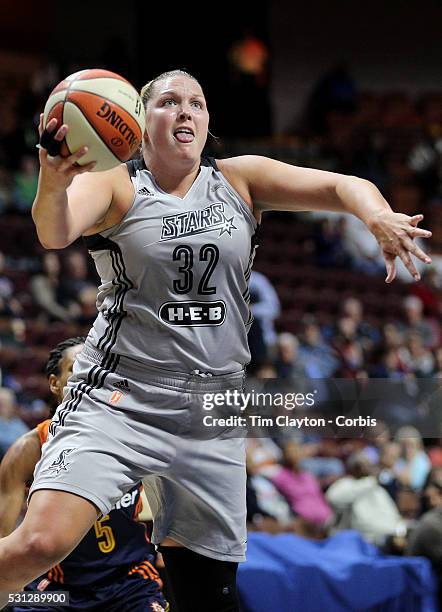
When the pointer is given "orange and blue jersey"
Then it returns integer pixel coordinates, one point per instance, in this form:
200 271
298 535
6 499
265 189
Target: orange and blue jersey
116 545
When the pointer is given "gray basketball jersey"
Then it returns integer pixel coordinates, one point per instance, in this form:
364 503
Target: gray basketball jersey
174 276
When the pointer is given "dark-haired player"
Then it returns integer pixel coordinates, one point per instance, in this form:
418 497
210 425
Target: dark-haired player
112 568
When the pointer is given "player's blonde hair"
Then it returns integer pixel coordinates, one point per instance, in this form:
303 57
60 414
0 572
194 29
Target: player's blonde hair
147 91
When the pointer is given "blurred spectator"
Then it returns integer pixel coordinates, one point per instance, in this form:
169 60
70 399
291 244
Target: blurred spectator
74 278
366 334
361 503
416 323
12 330
265 305
329 245
425 159
25 184
414 465
426 538
321 458
11 426
9 305
318 357
429 290
387 477
420 360
263 498
45 289
299 487
348 348
288 363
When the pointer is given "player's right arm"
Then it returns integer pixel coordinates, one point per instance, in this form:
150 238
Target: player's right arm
16 470
70 200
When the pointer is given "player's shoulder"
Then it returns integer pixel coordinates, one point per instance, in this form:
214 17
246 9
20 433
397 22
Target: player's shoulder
238 164
239 172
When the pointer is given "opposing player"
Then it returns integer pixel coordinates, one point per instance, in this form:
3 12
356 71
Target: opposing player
173 239
112 567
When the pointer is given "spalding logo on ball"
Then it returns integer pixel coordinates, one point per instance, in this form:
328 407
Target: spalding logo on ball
103 112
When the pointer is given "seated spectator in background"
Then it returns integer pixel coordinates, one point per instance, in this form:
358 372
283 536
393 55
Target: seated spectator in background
387 477
414 465
45 289
288 363
9 305
300 488
429 291
361 503
392 363
416 323
420 359
263 452
426 538
25 184
329 247
264 500
75 277
318 358
11 425
321 459
366 334
265 306
12 330
348 348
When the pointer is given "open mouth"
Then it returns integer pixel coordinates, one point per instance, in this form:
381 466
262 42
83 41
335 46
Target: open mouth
184 135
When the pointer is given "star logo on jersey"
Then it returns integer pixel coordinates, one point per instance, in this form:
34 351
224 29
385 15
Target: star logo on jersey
191 222
227 227
59 465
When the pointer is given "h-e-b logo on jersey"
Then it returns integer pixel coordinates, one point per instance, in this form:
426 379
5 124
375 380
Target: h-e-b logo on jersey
191 222
59 465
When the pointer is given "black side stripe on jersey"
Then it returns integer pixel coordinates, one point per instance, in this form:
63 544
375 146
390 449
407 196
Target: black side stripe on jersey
253 247
248 272
95 380
116 312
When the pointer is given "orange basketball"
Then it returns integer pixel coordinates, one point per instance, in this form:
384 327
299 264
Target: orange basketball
103 112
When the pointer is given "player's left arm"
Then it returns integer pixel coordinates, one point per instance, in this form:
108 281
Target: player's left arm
274 185
16 470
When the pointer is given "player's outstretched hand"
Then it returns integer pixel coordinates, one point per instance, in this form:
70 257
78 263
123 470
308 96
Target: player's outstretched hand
58 172
395 233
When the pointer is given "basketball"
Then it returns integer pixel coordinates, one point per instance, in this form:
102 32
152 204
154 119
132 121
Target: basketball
103 111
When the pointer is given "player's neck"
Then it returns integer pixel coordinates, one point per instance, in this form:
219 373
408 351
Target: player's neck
174 180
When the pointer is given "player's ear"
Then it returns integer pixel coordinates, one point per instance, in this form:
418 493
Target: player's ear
54 384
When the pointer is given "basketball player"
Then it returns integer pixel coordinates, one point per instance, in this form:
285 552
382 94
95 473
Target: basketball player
173 239
112 567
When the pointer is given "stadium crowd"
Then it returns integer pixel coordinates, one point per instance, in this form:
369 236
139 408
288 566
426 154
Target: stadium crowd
321 312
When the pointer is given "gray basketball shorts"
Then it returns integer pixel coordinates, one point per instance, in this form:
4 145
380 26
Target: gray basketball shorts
121 422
